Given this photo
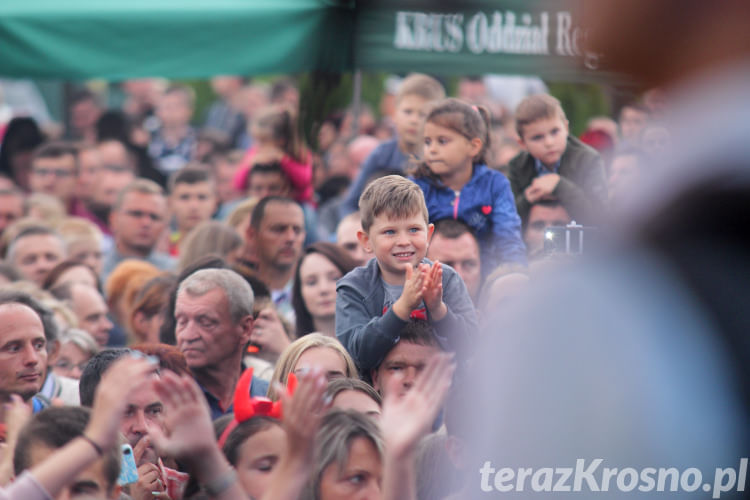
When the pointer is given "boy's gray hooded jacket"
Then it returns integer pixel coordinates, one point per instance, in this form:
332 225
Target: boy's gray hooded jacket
369 335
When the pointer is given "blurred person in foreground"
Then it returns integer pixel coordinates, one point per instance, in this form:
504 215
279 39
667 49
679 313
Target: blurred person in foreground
657 300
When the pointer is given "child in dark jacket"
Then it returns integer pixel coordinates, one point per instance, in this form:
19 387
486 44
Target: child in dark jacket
457 183
555 165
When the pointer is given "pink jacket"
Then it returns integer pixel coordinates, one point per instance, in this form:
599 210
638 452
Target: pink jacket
299 174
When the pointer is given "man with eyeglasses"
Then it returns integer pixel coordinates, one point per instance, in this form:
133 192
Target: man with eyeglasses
138 220
54 170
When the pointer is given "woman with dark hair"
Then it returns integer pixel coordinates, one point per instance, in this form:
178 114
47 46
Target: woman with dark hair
22 136
314 293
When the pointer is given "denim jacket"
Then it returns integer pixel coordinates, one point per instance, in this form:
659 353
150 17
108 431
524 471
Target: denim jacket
487 205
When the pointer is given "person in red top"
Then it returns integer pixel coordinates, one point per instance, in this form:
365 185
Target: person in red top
276 140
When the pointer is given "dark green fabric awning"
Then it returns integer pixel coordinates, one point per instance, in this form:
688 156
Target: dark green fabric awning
117 39
473 37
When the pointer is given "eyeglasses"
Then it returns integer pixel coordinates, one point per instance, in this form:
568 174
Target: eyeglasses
57 172
137 214
65 364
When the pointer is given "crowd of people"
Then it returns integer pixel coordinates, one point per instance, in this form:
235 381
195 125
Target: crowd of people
259 318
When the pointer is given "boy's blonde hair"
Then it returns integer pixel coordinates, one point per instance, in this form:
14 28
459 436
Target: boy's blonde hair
420 85
394 196
537 107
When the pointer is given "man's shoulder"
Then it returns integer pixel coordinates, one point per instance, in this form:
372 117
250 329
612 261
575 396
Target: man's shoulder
387 154
520 162
578 155
163 261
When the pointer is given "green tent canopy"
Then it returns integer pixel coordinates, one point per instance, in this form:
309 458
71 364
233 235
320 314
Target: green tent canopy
473 37
118 39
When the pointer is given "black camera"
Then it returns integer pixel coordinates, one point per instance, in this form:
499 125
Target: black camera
573 239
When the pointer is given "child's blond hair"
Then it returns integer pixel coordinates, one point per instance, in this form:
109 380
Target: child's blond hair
394 196
537 107
420 85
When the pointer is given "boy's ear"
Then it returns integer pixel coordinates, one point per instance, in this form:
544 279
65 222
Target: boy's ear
521 143
430 230
567 125
364 240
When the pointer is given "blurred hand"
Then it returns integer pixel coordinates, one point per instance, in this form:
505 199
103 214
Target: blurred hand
268 332
408 418
432 292
124 378
303 412
411 295
187 419
149 483
15 414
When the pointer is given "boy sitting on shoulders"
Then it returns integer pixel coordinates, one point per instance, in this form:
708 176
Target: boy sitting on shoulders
375 302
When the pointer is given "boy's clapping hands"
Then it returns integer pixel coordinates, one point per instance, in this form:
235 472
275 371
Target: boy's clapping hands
423 284
432 291
411 296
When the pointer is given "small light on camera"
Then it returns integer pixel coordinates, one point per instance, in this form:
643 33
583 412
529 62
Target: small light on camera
549 235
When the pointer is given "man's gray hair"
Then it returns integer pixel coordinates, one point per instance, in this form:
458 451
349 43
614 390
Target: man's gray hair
237 290
333 444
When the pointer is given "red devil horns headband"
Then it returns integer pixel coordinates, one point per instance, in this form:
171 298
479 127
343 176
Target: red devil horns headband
246 407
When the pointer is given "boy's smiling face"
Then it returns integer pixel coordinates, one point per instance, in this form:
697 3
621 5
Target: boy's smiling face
397 243
546 139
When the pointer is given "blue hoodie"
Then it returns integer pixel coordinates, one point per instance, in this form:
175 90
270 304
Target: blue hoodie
487 205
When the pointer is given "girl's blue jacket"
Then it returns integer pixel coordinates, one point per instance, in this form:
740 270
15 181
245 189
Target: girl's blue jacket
487 205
